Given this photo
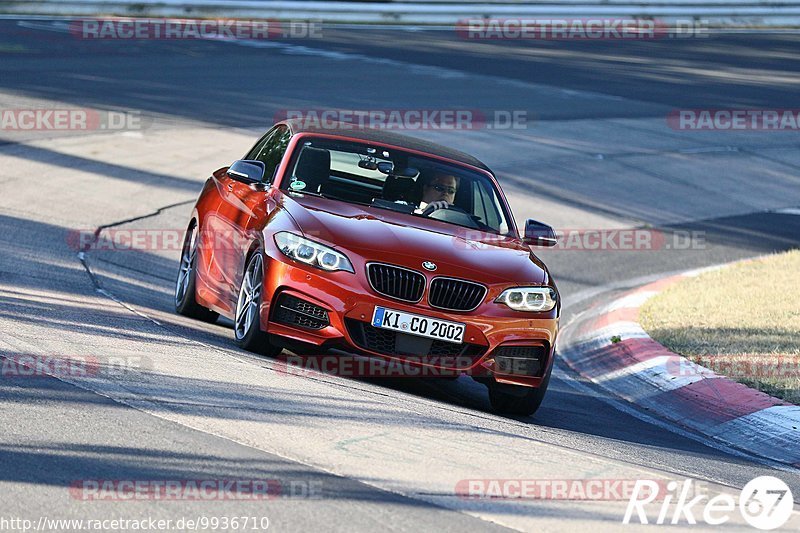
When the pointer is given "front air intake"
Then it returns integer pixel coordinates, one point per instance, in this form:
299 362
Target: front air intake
293 311
520 360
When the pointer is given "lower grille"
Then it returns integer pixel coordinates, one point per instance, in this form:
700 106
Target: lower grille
387 342
296 312
520 360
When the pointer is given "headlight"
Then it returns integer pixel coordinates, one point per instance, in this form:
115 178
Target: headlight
312 253
529 298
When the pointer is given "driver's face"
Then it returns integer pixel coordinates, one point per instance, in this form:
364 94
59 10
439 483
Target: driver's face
441 188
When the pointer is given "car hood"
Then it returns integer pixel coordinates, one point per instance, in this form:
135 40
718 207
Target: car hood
382 235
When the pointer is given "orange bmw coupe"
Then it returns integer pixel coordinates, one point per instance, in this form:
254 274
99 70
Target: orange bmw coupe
375 244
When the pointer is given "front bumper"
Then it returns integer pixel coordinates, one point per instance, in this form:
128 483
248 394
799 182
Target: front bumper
349 302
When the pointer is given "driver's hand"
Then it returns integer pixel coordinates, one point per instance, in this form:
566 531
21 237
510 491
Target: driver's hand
433 206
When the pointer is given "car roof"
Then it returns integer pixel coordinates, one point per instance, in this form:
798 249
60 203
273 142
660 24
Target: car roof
356 132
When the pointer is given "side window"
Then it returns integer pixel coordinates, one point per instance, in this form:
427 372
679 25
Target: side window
255 150
271 151
484 206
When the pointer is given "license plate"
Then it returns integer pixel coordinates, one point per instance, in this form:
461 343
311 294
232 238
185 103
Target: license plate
422 326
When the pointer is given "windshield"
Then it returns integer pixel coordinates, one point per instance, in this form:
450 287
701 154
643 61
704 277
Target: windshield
384 178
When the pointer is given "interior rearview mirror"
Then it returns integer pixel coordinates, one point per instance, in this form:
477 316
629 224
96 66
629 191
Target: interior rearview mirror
408 172
539 234
385 167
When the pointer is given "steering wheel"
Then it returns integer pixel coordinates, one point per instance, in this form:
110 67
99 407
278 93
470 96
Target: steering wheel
457 209
455 215
450 207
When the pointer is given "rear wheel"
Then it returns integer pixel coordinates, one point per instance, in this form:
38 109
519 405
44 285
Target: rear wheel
247 321
516 399
185 302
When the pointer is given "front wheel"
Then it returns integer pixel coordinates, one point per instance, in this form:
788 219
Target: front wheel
247 322
516 399
185 302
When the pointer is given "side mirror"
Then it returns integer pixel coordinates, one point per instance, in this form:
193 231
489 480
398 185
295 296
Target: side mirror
247 171
539 234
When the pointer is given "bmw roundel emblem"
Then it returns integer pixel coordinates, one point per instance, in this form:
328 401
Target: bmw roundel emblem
428 265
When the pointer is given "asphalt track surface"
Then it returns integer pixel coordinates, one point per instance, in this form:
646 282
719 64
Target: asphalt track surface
597 154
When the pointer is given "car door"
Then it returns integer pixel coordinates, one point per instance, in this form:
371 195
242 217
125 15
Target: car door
216 238
244 209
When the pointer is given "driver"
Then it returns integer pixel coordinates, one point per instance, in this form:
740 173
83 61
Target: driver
438 192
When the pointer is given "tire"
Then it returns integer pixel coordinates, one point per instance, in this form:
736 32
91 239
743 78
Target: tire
186 282
516 399
247 331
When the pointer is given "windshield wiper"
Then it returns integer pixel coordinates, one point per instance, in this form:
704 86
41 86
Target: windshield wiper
309 193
